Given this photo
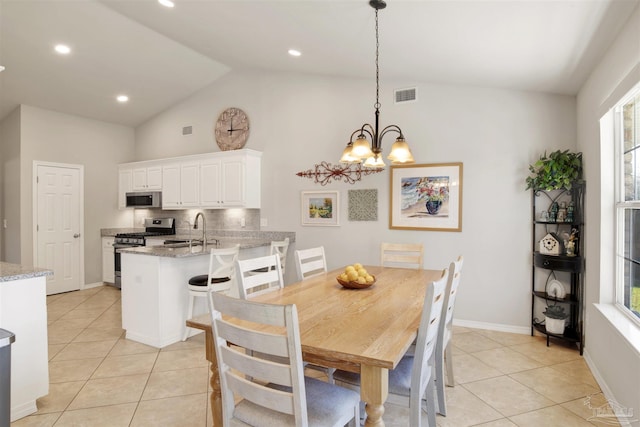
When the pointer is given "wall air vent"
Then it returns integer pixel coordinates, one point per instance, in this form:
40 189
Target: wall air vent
187 130
406 95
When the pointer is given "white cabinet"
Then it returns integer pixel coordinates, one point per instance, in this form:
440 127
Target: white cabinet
230 180
227 179
147 178
181 187
108 260
125 184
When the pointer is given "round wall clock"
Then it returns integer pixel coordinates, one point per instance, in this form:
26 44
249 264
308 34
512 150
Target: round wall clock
231 129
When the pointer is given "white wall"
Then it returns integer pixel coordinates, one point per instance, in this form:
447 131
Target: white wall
10 243
55 137
300 120
617 73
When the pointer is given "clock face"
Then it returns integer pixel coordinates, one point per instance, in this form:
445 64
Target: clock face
231 129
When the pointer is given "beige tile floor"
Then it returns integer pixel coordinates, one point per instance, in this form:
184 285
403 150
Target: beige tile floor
98 378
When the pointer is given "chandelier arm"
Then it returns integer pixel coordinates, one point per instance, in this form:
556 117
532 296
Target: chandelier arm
391 128
366 128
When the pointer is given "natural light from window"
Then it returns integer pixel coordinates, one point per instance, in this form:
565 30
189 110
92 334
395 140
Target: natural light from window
627 114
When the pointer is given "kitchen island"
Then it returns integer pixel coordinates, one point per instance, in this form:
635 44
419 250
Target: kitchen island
154 287
23 311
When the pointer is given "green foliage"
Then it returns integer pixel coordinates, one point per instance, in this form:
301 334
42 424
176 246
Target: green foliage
555 312
561 169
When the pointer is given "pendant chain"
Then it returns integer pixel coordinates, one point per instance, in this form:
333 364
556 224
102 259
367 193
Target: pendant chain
377 106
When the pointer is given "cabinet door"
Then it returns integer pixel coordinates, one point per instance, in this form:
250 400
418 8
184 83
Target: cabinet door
233 183
190 184
210 171
108 260
171 186
125 184
154 178
140 179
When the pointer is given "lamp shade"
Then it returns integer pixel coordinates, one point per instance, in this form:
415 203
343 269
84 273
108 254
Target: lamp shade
347 157
400 152
361 148
374 162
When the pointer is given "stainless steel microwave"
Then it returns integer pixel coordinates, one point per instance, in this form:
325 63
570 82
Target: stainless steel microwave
146 199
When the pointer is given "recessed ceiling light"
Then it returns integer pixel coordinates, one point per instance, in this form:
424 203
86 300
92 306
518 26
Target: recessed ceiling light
294 52
166 3
1 68
122 98
63 49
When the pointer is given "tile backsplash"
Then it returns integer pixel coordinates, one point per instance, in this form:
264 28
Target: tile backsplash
217 219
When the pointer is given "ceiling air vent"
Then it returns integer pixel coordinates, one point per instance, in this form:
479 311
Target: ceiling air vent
187 130
406 95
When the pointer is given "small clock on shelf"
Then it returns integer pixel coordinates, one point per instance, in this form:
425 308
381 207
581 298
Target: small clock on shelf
231 129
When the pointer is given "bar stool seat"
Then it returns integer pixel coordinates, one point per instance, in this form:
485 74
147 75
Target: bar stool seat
201 280
220 279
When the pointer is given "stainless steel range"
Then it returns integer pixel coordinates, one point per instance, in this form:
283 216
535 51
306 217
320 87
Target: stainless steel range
153 227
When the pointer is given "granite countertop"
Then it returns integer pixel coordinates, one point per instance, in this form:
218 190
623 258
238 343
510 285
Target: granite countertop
172 251
10 272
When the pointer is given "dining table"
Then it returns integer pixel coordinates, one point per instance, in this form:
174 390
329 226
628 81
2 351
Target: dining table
358 330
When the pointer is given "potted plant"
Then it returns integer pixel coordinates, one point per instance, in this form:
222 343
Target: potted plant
554 319
560 169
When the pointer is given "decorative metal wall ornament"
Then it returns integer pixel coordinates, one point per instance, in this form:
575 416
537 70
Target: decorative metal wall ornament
325 172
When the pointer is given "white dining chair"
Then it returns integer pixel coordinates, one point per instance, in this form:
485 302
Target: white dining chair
257 276
413 380
310 262
220 278
402 255
444 349
270 393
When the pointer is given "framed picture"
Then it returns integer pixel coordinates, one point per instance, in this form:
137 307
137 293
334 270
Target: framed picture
426 197
320 208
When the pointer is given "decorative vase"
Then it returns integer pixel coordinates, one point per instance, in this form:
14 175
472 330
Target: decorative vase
554 326
433 206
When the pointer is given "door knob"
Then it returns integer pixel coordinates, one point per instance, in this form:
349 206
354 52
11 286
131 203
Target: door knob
75 236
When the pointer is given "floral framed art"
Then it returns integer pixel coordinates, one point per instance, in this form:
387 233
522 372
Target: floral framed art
426 197
320 208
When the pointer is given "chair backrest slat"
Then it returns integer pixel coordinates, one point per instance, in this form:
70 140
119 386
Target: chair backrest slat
258 275
403 255
254 340
310 262
280 248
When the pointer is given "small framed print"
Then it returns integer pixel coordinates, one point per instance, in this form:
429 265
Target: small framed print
320 208
426 197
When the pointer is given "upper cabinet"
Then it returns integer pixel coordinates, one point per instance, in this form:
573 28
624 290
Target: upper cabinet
147 178
227 179
182 185
231 181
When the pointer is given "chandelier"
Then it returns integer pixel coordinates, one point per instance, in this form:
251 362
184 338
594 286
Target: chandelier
360 149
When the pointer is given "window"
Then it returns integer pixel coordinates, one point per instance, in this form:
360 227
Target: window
627 114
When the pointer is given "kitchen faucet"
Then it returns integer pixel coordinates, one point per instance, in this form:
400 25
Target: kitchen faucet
204 227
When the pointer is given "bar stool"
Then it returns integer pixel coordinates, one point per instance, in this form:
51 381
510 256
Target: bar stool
221 278
280 248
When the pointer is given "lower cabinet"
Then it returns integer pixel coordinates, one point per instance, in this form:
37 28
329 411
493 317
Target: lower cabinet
108 260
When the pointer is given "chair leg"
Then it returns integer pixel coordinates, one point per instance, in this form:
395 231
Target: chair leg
439 386
187 329
330 372
431 405
448 358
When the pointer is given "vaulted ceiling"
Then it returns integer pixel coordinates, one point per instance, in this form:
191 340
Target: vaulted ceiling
159 56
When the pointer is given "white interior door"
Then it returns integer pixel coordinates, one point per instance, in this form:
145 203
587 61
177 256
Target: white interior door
58 225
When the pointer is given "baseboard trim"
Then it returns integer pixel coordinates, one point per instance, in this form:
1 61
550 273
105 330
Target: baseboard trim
92 285
523 330
608 394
